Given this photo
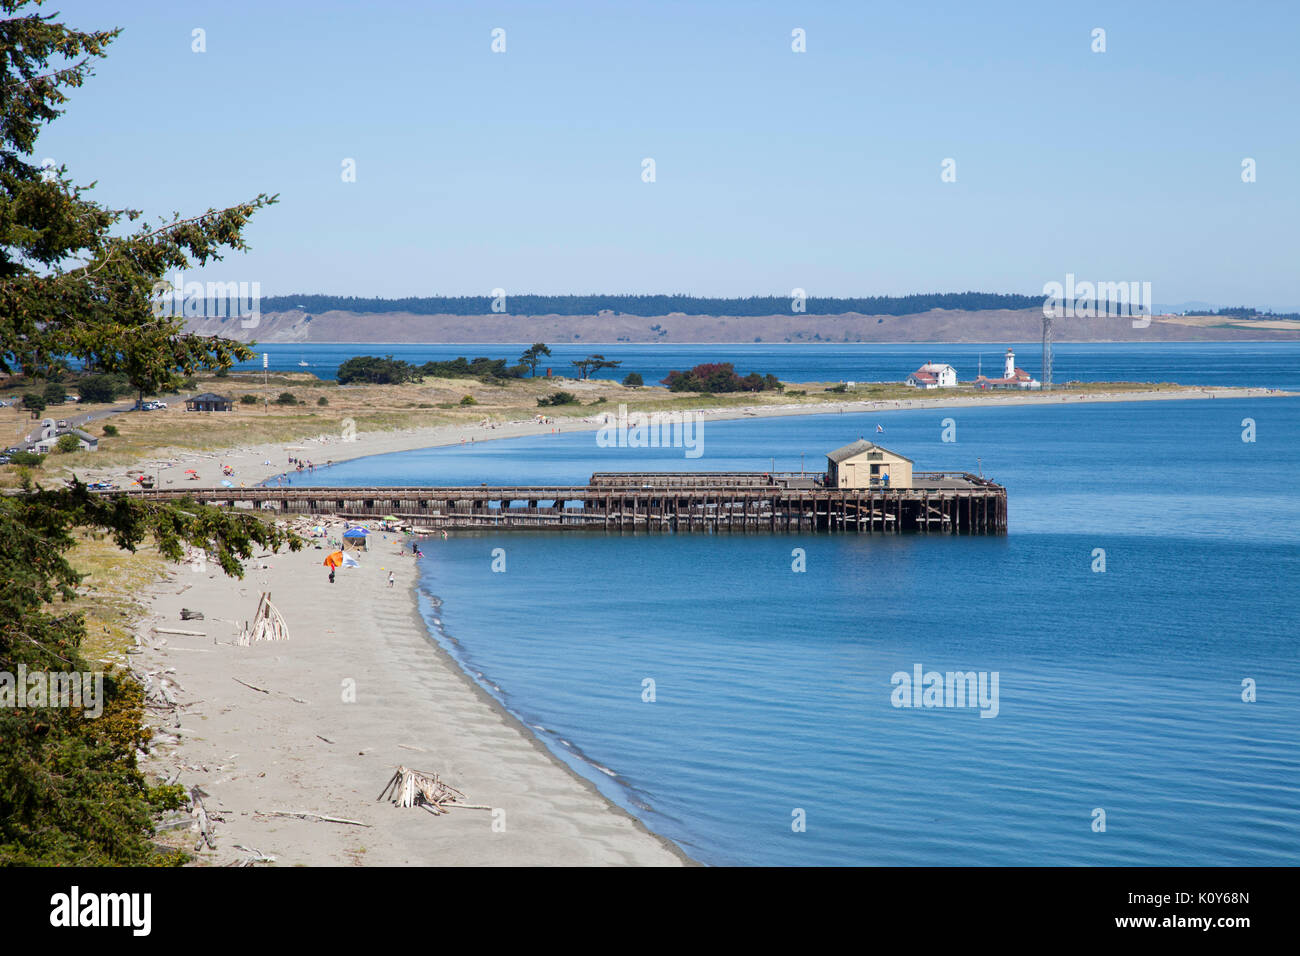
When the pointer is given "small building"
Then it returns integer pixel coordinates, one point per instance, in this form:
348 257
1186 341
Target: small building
50 436
864 464
208 402
1012 377
933 375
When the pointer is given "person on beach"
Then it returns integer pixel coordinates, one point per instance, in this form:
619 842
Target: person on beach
331 575
390 579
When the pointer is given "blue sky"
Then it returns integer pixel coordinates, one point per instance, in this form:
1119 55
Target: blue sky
774 169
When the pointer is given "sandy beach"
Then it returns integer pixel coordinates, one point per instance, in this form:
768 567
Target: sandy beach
301 743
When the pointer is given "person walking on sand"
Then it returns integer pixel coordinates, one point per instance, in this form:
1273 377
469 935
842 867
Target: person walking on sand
331 575
390 579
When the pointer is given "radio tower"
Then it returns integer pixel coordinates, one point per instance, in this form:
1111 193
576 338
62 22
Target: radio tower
1047 349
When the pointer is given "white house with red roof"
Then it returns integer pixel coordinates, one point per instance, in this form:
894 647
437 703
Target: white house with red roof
933 375
1012 377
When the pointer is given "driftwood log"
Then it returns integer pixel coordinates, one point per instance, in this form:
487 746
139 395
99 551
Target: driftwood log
306 815
202 821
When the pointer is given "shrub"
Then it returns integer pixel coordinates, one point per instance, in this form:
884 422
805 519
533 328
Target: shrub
54 394
322 400
26 458
838 388
715 377
633 380
247 399
98 388
220 373
373 370
468 400
110 430
557 398
286 398
33 402
486 370
67 443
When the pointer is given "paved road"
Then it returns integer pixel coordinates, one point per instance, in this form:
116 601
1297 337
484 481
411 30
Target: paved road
77 421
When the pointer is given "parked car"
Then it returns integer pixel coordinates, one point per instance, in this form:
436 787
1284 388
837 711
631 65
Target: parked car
61 424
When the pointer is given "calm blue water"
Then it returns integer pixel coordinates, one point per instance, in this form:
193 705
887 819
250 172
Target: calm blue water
1272 364
1118 690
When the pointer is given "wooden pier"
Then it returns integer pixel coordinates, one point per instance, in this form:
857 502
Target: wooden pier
936 503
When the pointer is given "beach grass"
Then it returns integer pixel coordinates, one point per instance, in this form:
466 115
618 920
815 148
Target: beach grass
110 594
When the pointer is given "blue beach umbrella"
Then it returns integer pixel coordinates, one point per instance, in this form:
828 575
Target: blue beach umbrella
355 533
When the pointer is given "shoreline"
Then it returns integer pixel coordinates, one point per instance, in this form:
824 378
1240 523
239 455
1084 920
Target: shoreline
538 736
252 752
270 727
254 464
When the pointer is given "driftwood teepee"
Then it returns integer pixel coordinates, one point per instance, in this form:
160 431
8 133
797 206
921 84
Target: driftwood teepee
268 624
414 788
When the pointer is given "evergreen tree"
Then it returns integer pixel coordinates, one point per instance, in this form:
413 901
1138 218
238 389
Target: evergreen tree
533 357
76 281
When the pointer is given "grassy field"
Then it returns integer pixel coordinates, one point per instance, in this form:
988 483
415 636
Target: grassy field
110 594
432 402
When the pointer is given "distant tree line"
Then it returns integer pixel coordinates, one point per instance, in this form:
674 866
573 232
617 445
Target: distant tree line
386 370
652 305
91 388
1242 312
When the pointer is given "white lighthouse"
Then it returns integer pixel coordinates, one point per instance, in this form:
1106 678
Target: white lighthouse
1012 377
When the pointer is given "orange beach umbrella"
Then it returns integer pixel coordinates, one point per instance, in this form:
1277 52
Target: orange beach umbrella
333 559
